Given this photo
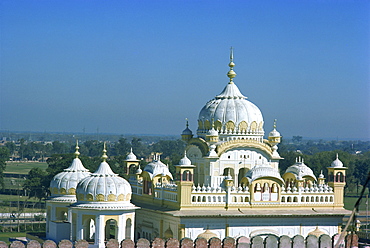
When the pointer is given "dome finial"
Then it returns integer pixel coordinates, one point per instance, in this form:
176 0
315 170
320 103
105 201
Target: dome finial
275 123
231 74
77 153
187 122
104 156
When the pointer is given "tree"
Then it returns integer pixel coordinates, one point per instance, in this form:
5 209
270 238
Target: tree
4 156
37 183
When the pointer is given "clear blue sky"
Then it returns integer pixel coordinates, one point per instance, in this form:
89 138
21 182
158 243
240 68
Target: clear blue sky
142 67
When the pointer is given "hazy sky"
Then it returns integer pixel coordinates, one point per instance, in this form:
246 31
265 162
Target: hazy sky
142 67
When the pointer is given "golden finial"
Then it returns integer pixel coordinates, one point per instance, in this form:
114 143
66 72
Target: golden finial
77 153
275 123
231 74
104 156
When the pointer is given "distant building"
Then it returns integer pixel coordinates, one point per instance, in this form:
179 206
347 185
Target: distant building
227 184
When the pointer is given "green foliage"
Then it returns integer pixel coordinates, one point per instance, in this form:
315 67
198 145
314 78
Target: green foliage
37 183
4 156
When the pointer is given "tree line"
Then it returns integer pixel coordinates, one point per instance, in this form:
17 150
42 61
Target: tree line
60 156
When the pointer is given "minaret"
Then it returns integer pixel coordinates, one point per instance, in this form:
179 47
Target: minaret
337 180
131 163
184 181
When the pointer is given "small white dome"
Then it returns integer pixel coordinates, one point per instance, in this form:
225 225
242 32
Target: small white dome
187 131
185 160
299 169
274 133
261 171
65 183
103 186
337 163
131 156
212 132
157 168
139 171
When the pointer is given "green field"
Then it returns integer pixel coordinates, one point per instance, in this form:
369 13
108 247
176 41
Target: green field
23 167
6 235
349 203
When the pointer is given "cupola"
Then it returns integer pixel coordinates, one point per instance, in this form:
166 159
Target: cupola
65 183
104 185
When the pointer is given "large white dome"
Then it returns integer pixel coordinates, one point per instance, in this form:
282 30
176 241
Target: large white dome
230 113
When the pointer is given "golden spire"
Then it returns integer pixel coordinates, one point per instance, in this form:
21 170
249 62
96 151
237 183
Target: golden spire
104 156
231 74
77 153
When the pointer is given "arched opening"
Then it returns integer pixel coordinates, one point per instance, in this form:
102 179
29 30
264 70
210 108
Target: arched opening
241 175
132 169
147 186
228 171
128 229
110 229
89 230
187 176
257 192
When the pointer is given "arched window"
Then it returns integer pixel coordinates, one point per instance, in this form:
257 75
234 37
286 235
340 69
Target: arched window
128 229
110 229
147 186
89 229
186 176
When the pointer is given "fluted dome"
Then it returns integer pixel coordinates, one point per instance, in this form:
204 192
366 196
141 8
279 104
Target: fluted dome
103 186
337 163
230 112
156 167
300 170
261 171
65 183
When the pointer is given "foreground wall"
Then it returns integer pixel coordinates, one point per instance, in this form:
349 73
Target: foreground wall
242 242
